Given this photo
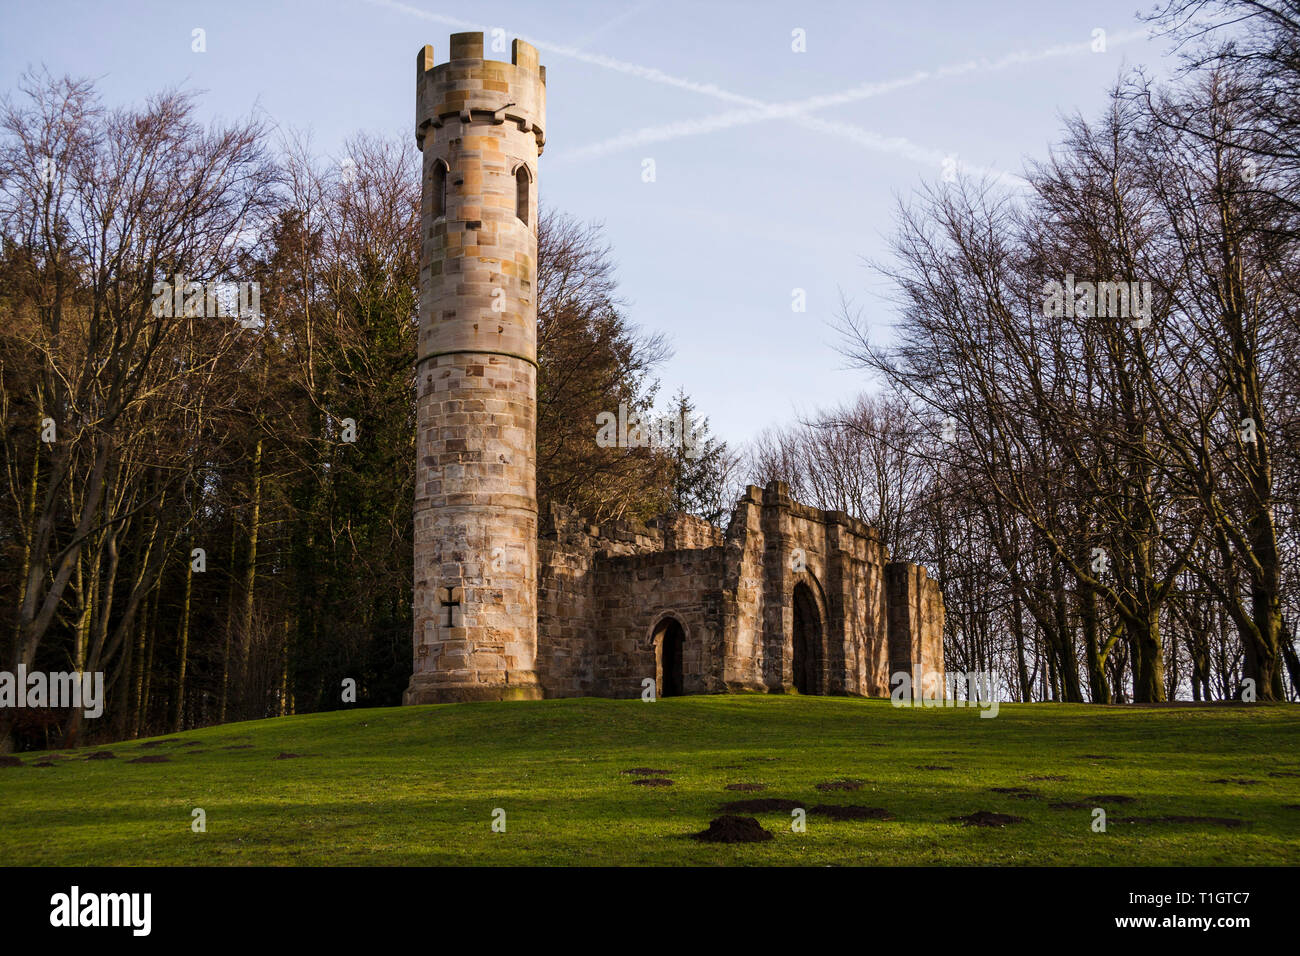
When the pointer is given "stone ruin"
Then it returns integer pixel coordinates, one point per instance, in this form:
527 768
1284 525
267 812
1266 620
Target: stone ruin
510 604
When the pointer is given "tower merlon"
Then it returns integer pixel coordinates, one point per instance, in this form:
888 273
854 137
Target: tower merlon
423 61
524 55
467 46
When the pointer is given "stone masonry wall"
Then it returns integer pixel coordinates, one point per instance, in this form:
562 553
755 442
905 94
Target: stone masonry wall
634 593
838 561
915 634
600 585
479 124
603 590
475 531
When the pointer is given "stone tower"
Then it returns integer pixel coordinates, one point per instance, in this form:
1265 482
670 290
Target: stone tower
480 126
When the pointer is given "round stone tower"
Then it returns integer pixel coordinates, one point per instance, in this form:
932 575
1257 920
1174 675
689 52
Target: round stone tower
479 124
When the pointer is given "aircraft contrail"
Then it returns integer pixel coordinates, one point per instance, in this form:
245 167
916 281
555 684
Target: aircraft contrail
795 109
757 110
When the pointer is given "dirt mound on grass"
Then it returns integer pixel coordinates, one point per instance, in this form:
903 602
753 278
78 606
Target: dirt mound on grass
841 785
746 787
45 763
8 761
152 758
729 829
1240 781
287 756
761 805
102 755
837 812
237 747
652 782
986 818
159 743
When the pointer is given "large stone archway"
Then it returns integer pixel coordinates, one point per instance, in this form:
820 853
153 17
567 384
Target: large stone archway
808 642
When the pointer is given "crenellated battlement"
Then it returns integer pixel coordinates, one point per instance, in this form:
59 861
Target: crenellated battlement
469 89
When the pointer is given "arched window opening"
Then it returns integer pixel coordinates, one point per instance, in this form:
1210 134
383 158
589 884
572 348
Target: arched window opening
439 188
521 193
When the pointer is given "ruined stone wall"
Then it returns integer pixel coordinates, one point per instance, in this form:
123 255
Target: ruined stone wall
915 623
931 626
733 592
599 586
602 591
836 561
568 605
744 589
634 594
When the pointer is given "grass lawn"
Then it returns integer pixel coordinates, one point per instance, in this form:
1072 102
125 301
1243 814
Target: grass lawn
419 785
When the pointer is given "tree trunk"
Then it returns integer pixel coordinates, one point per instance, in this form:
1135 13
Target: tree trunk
1069 662
143 724
1097 685
230 623
250 572
1148 669
1022 671
184 650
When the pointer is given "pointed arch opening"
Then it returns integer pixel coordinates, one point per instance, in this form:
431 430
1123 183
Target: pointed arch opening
808 649
670 671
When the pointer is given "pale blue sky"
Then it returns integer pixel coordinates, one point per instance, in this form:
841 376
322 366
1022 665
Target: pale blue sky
748 204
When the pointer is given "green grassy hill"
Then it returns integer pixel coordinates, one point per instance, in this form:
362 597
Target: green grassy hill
419 785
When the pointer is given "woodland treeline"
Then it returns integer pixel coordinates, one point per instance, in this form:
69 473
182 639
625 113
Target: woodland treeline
1109 501
215 511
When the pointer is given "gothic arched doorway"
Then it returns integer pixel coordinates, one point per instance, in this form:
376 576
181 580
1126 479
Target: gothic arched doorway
808 654
670 675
